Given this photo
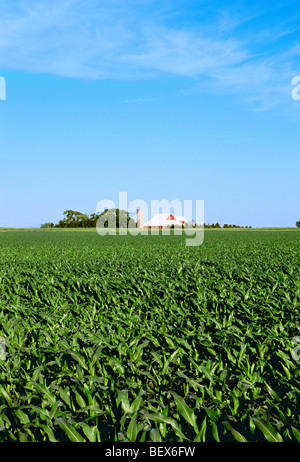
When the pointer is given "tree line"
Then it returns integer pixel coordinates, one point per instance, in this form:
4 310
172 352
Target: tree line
113 218
217 225
109 218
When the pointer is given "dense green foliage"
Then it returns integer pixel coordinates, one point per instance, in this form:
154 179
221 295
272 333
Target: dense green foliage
109 218
140 338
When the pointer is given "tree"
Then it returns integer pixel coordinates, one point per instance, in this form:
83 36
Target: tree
92 221
47 225
298 224
110 218
73 219
115 218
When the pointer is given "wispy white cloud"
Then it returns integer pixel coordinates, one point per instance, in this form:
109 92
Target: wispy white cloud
185 53
138 38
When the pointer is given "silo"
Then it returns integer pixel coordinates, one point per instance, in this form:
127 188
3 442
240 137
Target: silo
139 218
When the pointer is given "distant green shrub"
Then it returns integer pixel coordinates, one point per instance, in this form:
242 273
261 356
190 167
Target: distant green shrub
47 225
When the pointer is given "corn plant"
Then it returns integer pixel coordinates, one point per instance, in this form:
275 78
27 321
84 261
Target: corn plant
124 338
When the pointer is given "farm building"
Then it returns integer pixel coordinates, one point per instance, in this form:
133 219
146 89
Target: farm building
163 220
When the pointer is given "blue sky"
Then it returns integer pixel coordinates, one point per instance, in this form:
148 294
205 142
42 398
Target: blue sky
175 100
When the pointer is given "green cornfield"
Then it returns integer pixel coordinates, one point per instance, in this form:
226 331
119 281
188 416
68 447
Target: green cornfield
143 339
